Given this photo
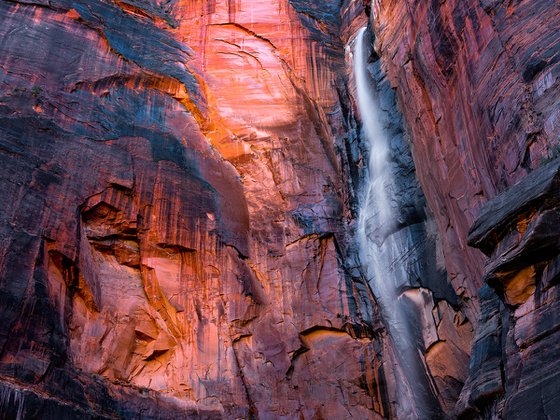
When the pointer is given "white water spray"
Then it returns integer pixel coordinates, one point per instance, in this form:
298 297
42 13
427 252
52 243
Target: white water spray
382 245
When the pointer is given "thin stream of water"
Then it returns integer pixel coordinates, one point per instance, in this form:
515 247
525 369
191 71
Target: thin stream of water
382 244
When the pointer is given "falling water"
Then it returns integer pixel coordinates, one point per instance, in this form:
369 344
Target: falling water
382 246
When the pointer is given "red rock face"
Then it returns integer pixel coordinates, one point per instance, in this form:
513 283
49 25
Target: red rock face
478 80
179 183
478 85
172 230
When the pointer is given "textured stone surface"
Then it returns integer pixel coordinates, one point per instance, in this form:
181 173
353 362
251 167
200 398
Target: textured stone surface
478 84
437 345
180 183
533 191
514 358
172 235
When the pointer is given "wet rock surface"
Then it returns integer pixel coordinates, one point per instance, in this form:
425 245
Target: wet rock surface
438 334
478 86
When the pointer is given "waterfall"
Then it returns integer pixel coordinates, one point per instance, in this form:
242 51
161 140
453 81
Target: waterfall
383 244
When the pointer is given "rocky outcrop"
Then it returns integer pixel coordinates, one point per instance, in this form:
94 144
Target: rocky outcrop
518 330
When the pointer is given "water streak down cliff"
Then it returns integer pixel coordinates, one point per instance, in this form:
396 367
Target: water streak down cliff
383 249
172 238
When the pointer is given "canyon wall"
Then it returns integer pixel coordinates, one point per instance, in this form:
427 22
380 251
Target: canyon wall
478 83
173 225
182 181
401 254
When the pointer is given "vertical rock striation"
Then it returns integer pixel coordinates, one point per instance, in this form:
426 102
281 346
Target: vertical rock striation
400 253
478 85
479 80
172 237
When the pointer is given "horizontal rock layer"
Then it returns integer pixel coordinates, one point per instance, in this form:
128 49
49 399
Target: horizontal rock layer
519 336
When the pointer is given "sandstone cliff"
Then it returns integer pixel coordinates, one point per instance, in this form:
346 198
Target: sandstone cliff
479 88
173 224
181 184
